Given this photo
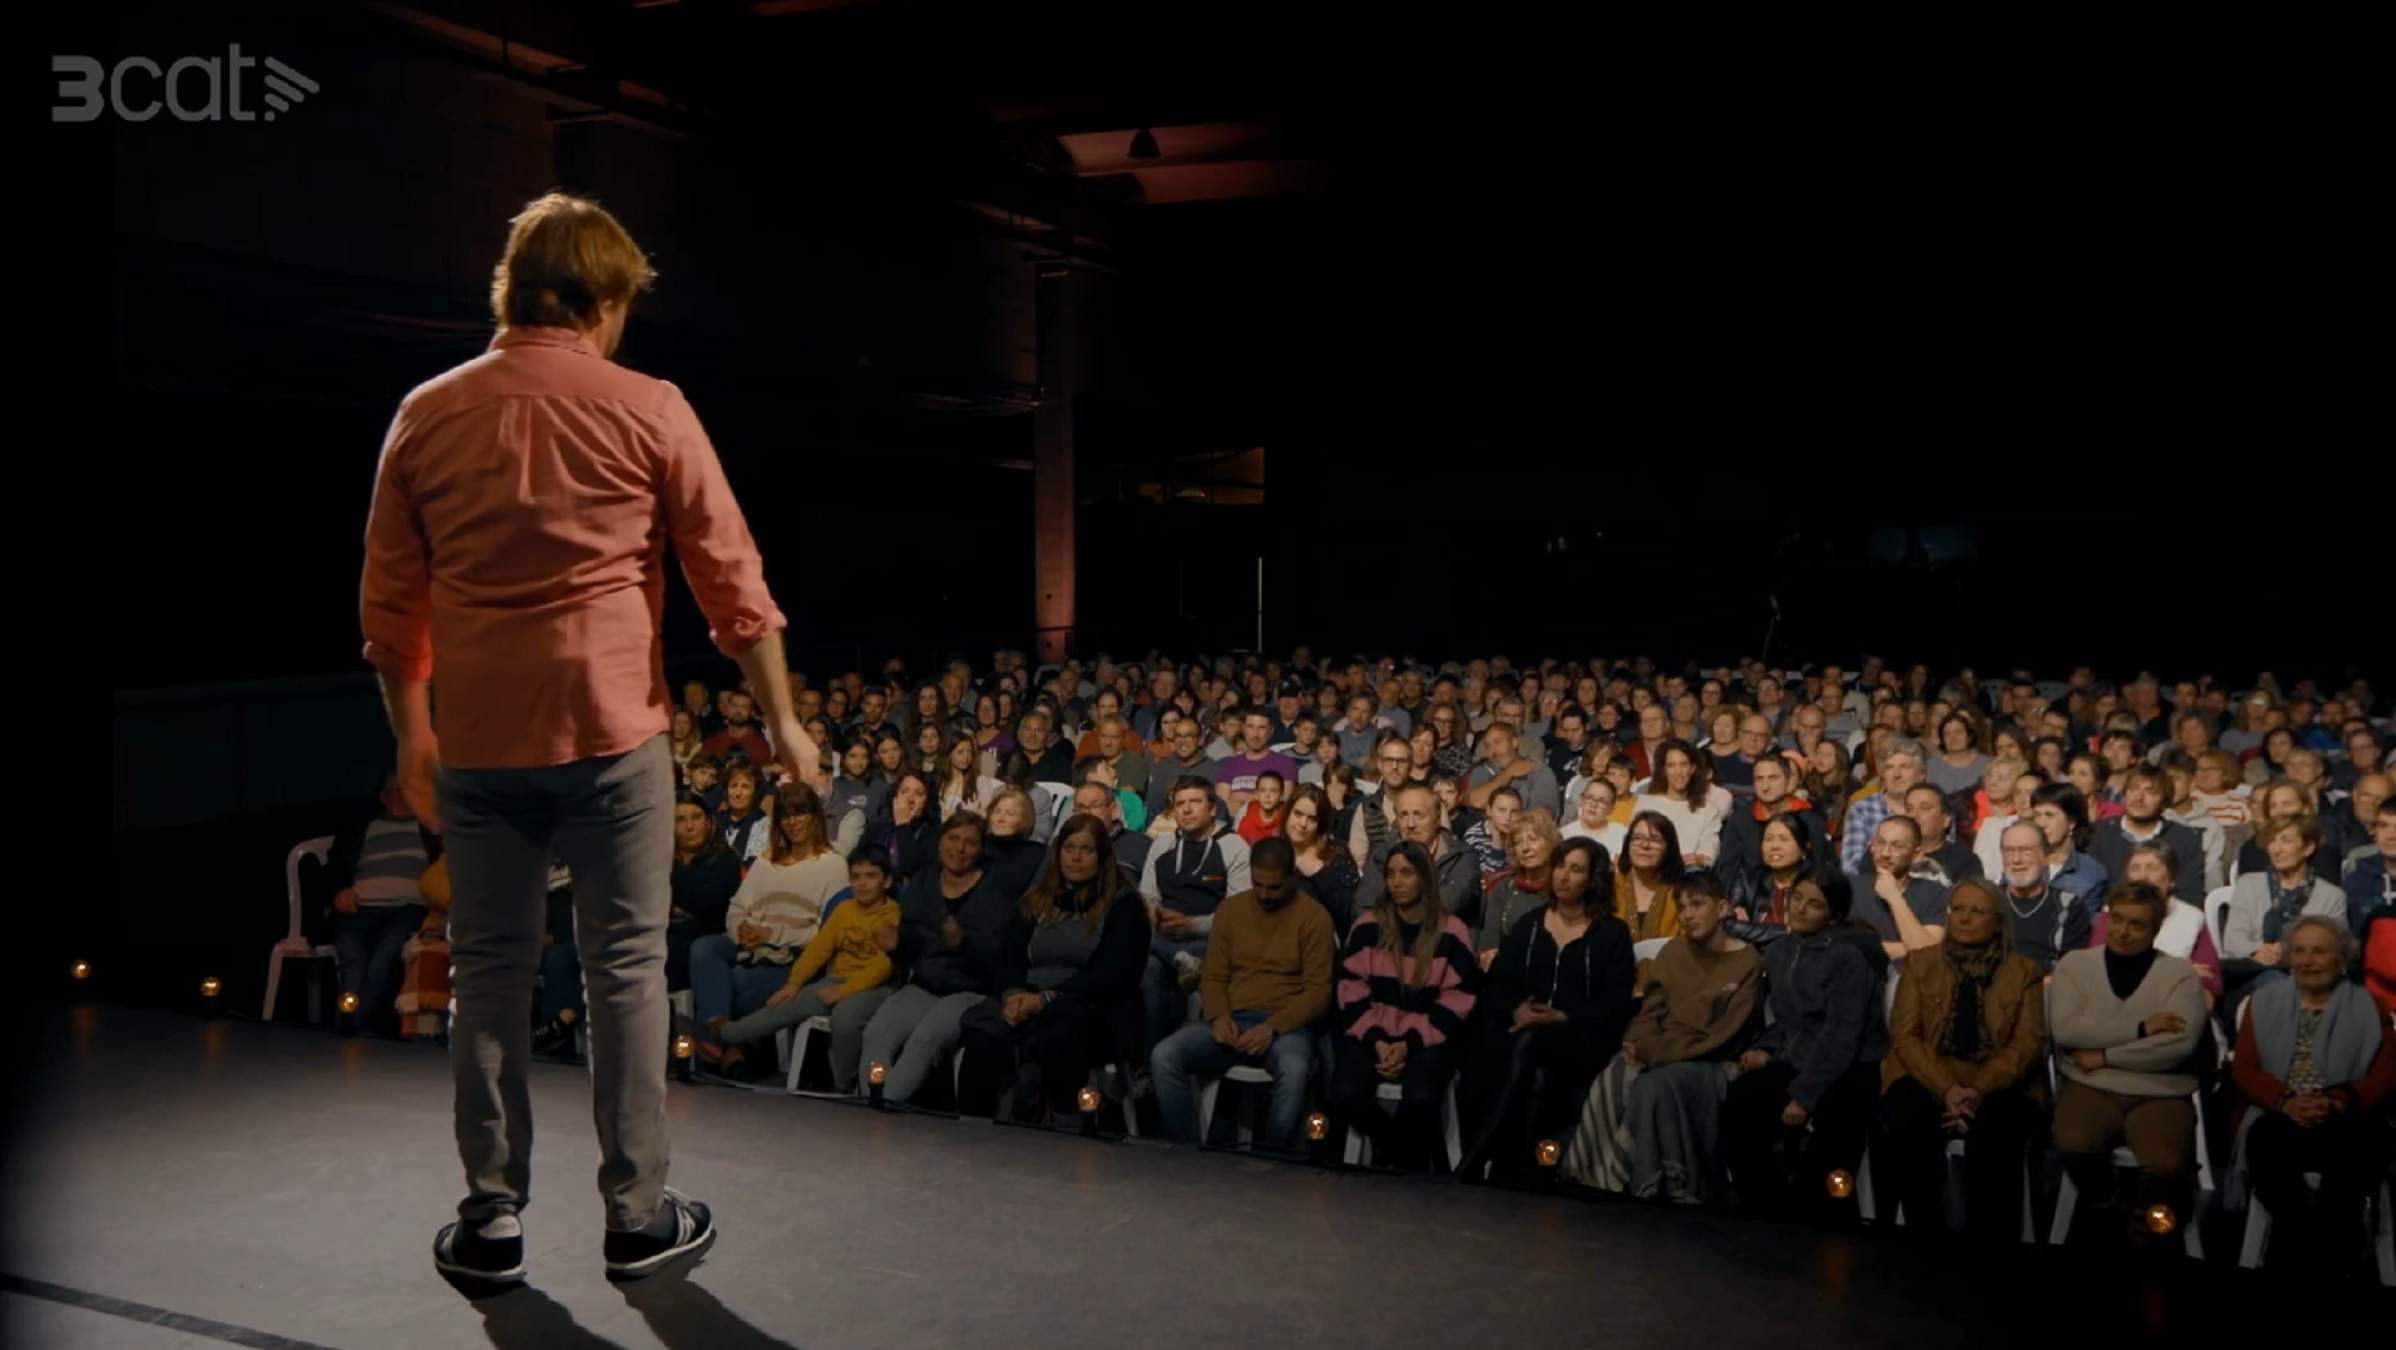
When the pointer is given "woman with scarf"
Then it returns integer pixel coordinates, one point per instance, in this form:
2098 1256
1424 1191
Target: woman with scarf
1558 999
1647 880
2314 1066
2265 904
1967 1042
1522 887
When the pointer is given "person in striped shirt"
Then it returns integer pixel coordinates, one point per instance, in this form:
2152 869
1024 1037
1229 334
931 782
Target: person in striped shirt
1407 980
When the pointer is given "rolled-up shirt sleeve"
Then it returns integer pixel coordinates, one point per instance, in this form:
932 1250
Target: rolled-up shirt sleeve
711 536
395 592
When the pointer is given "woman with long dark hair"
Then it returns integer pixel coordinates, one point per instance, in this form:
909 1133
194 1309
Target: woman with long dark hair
1648 876
1406 982
1325 869
1559 996
1069 982
1760 898
1683 792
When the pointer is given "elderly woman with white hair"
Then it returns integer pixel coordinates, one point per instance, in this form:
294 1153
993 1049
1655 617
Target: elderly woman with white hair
2315 1068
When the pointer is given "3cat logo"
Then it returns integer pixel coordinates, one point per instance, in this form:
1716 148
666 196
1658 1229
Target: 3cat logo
137 88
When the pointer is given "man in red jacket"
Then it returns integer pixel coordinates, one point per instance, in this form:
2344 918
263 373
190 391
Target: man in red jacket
515 555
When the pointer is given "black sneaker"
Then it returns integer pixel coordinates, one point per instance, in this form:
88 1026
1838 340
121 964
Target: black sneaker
683 1226
462 1252
555 1040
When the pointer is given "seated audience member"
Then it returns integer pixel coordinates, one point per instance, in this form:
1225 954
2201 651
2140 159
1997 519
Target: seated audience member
1012 842
906 833
2264 904
1187 875
857 797
745 828
2183 934
1266 809
1182 759
963 785
1503 765
2180 808
1236 774
1943 858
1324 757
1557 1000
1683 793
1266 981
1451 741
1647 880
851 951
1905 909
2145 790
1651 1126
2370 884
1900 765
683 739
377 868
702 776
1760 898
739 732
1595 819
2126 1020
1816 1066
1051 760
1324 868
1130 810
705 877
1454 870
952 921
1959 765
2219 791
1523 886
2061 813
1406 984
424 987
1772 785
1966 1060
1486 839
1361 729
2284 799
699 701
2315 1066
2000 787
1374 826
1094 798
1112 740
775 912
1069 983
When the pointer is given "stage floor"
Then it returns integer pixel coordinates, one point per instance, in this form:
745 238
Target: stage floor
221 1181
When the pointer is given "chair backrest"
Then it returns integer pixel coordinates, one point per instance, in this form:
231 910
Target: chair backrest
1062 794
1888 997
319 848
2217 909
1645 949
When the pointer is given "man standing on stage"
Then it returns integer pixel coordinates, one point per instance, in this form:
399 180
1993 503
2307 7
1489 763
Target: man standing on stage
515 555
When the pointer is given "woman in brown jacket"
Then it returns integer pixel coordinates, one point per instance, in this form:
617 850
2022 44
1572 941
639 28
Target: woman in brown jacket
1967 1034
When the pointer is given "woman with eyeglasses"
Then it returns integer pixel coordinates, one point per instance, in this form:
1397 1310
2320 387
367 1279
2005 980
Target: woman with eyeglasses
1647 881
1595 819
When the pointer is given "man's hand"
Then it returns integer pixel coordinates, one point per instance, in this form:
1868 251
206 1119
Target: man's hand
1172 922
1227 1032
1889 887
1255 1040
1488 958
2268 954
346 901
1753 1060
781 996
2088 1061
904 813
1019 1007
886 937
806 761
1792 1115
419 758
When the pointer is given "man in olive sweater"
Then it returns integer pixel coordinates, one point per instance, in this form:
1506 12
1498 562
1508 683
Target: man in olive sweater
1267 979
2126 1021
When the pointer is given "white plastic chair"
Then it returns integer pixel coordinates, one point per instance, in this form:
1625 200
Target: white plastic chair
793 1049
1360 1148
1006 1095
1238 1073
1645 949
1864 1199
2067 1196
2217 910
295 945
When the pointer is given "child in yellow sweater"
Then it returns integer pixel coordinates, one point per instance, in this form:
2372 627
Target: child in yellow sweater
851 950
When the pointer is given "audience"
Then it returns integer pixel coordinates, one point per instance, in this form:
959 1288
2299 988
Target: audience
1068 983
2315 1059
1966 1055
852 951
1808 1084
1266 982
1905 909
2126 1021
774 914
746 828
1552 1014
2265 904
1647 879
1682 792
1186 877
952 922
1407 982
2145 791
1650 1128
377 867
1325 870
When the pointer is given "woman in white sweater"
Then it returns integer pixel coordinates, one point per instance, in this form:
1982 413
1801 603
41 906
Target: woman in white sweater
1683 792
775 912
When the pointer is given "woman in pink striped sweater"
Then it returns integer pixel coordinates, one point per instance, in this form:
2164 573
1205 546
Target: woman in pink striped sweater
1407 980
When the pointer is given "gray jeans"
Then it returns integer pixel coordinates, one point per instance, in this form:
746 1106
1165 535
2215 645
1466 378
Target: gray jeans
848 1018
910 1032
610 821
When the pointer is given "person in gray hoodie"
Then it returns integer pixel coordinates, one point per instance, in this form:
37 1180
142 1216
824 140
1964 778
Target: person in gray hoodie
1807 1088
